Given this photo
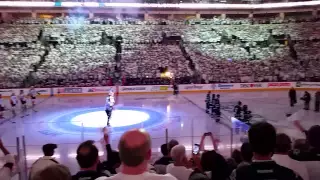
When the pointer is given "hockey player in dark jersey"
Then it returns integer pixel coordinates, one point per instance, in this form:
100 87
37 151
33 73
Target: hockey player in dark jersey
213 105
1 107
306 98
175 89
217 106
317 101
246 113
237 110
292 96
208 102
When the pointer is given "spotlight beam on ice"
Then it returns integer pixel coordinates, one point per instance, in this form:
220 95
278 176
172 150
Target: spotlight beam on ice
119 118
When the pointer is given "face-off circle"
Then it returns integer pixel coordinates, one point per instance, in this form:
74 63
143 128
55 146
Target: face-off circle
93 119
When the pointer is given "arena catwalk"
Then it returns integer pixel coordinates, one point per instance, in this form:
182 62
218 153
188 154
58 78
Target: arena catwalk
67 121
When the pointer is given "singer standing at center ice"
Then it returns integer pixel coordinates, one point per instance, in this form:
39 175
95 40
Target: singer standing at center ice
109 105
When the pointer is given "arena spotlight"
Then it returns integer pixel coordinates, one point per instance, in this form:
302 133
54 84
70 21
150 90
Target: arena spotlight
167 74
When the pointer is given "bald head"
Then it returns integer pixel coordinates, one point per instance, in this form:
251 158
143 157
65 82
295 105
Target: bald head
135 147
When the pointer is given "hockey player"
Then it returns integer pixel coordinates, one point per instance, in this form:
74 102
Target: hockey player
217 106
1 107
306 98
213 105
23 101
237 109
109 105
317 102
33 95
246 113
13 102
175 89
208 102
292 97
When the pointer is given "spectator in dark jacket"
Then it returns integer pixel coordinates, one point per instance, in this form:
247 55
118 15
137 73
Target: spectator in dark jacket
246 154
262 138
113 158
165 159
236 155
88 160
213 166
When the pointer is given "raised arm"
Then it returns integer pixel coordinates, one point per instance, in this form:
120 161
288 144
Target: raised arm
3 148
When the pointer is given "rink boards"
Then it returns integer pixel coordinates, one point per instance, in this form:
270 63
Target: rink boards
158 89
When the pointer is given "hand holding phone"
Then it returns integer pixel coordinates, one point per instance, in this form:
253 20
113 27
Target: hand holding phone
208 134
213 140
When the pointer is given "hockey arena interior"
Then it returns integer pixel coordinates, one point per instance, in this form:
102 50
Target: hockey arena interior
186 90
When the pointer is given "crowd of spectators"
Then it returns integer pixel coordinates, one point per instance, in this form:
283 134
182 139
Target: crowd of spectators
17 61
75 62
145 60
265 155
79 51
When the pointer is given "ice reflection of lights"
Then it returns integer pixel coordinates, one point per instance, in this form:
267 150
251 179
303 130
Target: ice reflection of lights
56 156
73 155
35 157
220 146
119 118
168 108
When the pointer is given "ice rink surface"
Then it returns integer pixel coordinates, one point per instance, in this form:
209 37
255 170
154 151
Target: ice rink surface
68 121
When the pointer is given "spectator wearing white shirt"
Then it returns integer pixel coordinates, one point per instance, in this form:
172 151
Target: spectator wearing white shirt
135 152
281 157
45 161
179 166
6 171
54 172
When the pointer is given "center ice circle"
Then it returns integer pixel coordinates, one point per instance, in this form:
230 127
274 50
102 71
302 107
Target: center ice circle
90 120
119 118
